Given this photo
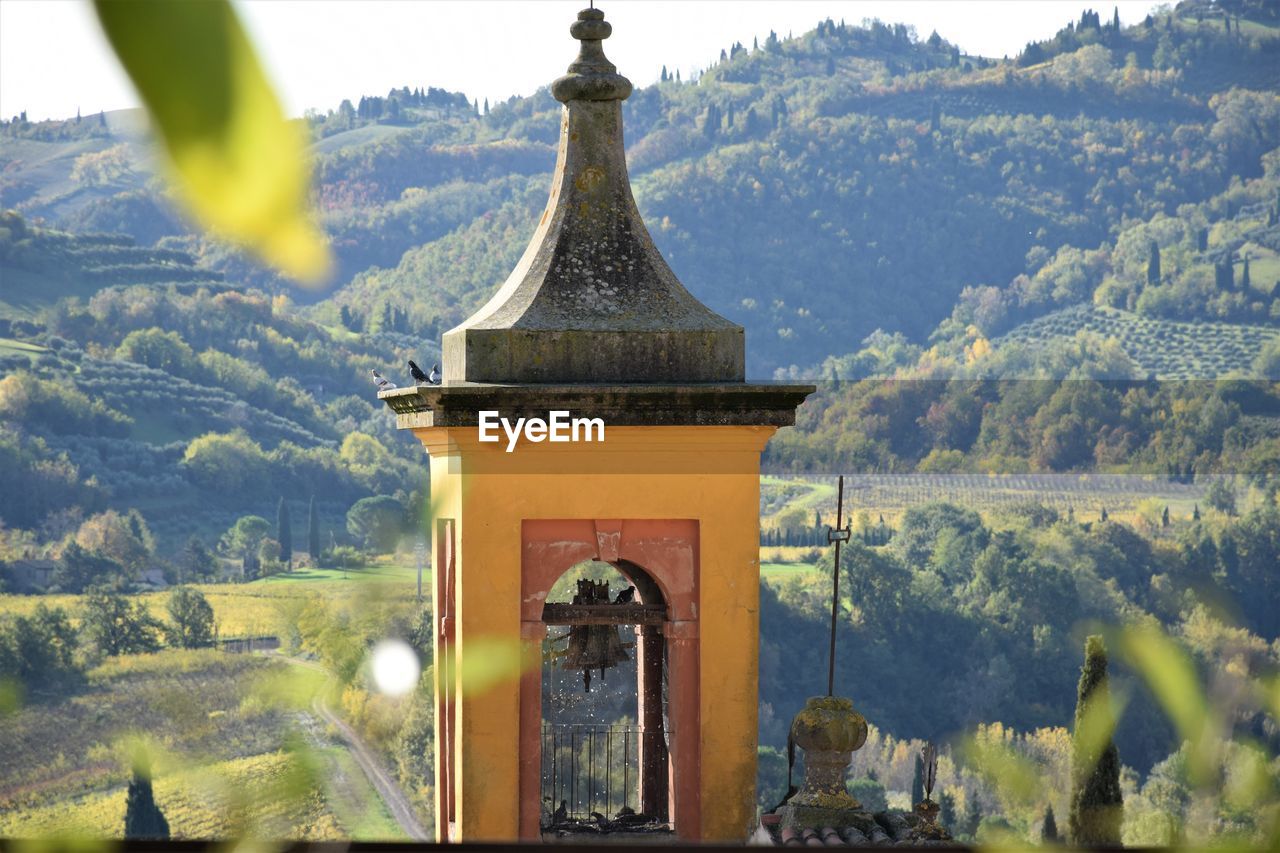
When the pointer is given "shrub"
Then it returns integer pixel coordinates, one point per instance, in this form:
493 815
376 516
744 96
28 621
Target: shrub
226 463
192 619
116 626
377 522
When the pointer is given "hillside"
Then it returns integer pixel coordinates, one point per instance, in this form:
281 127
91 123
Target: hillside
814 188
1166 349
1042 295
866 202
177 393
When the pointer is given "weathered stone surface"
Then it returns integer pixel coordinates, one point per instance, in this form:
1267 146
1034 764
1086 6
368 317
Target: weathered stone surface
592 300
828 729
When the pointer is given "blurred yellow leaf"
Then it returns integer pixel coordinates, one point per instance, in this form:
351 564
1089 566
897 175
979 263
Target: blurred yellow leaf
237 162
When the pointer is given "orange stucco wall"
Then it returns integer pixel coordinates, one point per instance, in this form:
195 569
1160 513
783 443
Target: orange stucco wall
706 475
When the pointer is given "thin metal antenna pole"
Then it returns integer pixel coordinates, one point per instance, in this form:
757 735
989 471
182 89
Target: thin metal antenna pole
837 536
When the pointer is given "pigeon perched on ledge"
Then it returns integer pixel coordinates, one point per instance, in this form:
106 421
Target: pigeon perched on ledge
383 383
434 378
625 596
418 375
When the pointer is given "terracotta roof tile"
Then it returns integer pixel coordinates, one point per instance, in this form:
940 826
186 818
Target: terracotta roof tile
883 829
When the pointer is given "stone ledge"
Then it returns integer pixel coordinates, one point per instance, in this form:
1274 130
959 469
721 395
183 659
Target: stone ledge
709 404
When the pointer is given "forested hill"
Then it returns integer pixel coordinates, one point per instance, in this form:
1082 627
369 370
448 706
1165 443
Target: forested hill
866 201
814 188
178 395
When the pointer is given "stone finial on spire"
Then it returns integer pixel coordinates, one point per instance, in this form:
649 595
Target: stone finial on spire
592 300
591 77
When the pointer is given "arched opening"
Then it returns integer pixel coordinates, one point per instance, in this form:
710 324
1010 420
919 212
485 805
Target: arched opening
605 752
659 557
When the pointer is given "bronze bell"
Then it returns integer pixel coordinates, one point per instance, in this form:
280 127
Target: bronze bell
593 647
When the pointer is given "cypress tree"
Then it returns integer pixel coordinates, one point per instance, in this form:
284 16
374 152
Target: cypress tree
1222 276
711 124
1164 517
284 532
1049 829
142 817
1244 275
972 816
917 782
313 532
1153 264
947 810
1096 802
1195 512
1103 515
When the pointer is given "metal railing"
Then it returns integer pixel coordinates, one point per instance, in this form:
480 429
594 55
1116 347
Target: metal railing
591 767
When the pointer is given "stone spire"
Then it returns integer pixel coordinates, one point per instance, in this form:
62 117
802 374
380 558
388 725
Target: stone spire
592 300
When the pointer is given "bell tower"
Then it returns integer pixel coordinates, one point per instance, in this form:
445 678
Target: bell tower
661 483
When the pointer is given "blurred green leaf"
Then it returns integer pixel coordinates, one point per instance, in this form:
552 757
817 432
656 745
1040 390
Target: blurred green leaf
63 843
1269 691
1014 777
10 696
485 662
1248 782
1096 726
1171 676
237 162
294 688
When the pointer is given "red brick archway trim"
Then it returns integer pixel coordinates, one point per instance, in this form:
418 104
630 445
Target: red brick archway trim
667 552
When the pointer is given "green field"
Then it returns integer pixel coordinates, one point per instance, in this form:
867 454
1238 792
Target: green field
257 609
363 574
867 496
235 746
776 573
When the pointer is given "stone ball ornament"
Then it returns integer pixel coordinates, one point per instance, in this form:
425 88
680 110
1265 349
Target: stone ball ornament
829 724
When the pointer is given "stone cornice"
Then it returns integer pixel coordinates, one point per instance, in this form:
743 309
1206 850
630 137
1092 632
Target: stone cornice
709 404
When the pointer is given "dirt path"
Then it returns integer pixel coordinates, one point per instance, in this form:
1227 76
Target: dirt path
379 778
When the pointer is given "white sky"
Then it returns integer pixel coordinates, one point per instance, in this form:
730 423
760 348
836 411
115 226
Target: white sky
53 58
